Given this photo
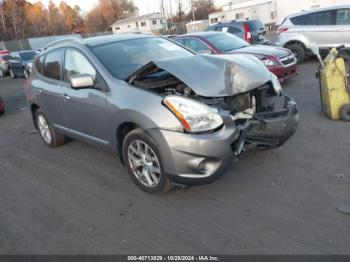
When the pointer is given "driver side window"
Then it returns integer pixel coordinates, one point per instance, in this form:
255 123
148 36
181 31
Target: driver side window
76 64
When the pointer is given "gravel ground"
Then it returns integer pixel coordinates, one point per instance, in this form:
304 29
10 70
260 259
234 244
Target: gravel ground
77 199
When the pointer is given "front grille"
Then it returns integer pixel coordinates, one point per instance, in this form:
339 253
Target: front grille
287 60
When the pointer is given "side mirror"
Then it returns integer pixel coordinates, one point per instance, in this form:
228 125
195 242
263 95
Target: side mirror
81 81
205 52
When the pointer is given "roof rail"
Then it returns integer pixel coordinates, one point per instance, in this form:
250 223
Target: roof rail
60 41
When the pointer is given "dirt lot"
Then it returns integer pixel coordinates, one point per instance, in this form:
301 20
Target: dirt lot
78 199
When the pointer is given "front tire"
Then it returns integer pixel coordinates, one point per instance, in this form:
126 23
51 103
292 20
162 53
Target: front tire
299 52
26 73
144 163
12 74
49 135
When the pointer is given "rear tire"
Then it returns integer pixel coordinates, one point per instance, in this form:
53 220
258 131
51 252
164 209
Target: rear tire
299 52
49 135
142 158
345 113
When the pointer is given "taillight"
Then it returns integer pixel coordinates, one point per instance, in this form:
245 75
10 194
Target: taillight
282 30
247 34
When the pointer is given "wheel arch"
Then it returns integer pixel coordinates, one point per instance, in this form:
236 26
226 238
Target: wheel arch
33 108
122 131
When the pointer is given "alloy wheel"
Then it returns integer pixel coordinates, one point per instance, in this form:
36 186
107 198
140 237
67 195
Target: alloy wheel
144 163
44 129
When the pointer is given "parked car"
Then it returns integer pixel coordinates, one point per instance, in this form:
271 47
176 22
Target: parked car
278 60
4 64
21 63
2 105
172 115
4 52
326 27
252 31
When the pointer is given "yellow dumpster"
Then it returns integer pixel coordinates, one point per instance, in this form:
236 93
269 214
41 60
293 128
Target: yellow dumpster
335 96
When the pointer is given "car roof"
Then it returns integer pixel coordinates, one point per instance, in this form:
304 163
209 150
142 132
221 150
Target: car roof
334 7
101 40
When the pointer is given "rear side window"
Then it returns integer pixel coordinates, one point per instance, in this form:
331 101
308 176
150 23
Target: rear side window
320 18
52 68
39 64
343 17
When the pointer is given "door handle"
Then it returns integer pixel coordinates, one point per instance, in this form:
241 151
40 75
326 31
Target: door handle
66 97
38 91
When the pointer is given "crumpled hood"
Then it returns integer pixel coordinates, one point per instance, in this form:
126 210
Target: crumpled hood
263 50
219 75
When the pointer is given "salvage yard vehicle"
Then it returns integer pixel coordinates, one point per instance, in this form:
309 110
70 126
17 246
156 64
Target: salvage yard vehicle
251 31
21 63
173 116
327 27
278 60
4 64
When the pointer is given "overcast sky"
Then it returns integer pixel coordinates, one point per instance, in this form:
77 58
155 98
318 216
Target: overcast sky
145 6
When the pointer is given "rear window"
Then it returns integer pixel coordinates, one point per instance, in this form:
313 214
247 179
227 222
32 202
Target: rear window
255 25
299 20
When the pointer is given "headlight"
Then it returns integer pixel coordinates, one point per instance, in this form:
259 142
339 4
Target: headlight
193 115
276 85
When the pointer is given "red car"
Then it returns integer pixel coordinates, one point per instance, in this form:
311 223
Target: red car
4 52
2 106
278 60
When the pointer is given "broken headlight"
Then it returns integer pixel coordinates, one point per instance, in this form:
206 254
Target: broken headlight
194 116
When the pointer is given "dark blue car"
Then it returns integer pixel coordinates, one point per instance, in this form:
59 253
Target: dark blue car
21 63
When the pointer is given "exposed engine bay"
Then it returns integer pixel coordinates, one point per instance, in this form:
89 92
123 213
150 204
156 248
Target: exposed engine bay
262 99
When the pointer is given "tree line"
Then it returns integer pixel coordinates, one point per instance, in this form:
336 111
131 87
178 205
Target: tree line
20 19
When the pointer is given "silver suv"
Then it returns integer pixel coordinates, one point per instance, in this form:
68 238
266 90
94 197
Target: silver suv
326 27
172 115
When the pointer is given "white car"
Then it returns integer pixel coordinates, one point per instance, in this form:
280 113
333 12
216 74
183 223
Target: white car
326 27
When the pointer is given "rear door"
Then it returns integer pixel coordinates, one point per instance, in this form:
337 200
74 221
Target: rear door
85 110
343 26
320 28
47 86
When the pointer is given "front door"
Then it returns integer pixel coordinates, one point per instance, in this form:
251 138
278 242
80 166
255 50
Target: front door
85 110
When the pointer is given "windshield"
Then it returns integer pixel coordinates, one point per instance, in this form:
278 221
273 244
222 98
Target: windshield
123 58
26 56
225 42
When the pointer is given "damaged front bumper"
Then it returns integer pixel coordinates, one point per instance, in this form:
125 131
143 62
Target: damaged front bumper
201 158
273 128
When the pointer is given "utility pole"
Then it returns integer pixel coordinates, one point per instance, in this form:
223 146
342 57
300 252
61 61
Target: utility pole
171 13
193 16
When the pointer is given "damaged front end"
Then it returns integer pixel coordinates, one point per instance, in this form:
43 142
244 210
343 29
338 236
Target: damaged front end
239 88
